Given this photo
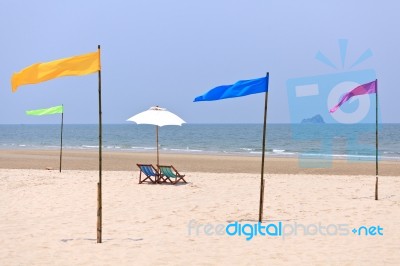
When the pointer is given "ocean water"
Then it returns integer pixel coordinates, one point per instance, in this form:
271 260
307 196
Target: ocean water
283 140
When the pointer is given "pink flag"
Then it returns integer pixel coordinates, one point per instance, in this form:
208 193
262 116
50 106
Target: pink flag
366 88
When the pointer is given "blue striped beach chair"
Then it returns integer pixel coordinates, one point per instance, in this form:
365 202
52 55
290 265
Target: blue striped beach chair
150 172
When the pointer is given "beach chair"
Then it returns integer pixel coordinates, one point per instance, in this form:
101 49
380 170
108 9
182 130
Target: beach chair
169 173
150 173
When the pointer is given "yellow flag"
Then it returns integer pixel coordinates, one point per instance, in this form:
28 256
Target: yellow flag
72 66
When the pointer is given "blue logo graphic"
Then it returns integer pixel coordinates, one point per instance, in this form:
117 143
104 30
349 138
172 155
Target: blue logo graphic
279 229
311 97
368 231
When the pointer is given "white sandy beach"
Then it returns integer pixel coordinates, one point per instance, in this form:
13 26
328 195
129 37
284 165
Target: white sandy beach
49 218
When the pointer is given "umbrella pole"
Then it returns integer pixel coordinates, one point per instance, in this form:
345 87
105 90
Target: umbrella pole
157 145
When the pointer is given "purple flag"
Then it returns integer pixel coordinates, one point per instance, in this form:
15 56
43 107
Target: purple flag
366 88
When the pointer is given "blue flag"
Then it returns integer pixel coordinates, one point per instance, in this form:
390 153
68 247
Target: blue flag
239 89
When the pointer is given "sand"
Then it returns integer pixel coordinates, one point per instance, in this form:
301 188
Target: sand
126 161
49 218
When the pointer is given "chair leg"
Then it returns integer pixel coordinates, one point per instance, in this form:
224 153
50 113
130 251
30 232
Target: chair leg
147 177
168 179
180 177
140 177
161 179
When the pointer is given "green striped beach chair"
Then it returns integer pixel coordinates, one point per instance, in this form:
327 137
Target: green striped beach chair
169 173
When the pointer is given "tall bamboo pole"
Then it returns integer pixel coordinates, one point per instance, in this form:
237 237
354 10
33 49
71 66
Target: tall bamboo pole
99 192
260 213
376 141
62 125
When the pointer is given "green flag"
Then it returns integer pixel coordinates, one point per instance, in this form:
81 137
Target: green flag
47 111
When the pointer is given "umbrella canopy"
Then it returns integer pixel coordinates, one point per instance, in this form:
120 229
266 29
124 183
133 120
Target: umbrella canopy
159 117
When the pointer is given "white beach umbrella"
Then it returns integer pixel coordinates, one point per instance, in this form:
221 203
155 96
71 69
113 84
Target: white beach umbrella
159 117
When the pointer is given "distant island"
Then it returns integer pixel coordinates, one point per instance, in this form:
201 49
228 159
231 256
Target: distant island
317 119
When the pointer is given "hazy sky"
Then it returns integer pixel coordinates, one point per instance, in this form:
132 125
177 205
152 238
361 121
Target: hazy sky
168 52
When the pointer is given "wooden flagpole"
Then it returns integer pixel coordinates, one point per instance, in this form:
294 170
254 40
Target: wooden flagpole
99 193
260 213
376 141
62 124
